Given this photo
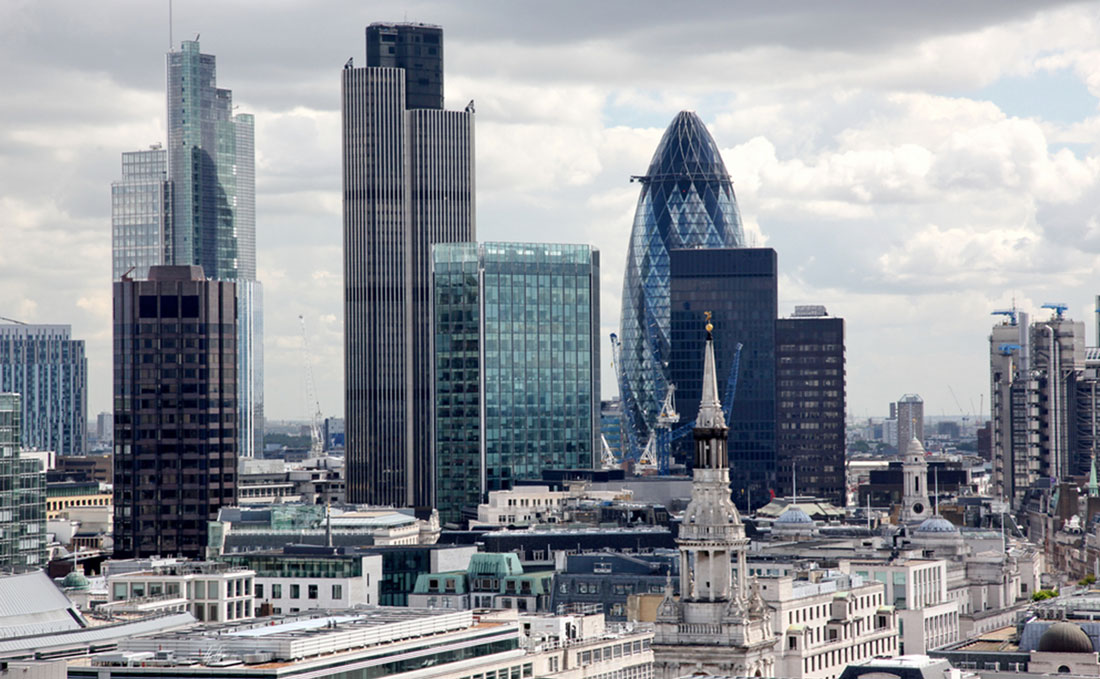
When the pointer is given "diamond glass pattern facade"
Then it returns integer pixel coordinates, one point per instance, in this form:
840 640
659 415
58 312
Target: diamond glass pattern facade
687 201
516 365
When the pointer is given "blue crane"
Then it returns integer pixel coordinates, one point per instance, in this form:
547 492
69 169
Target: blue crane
1011 313
1058 307
1006 349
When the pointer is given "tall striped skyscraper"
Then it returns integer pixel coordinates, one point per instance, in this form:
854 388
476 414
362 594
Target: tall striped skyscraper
408 184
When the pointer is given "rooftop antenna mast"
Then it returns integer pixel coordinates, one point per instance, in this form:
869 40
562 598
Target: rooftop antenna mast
170 43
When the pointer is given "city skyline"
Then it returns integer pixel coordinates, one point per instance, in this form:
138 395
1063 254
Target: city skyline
913 176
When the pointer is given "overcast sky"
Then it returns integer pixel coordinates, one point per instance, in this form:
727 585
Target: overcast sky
915 165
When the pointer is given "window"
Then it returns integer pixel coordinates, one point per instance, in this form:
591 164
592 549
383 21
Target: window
337 591
259 591
276 591
295 592
313 591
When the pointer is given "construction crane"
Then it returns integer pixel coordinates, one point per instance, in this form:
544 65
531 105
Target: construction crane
1011 313
1006 348
1059 308
657 449
316 448
665 419
665 437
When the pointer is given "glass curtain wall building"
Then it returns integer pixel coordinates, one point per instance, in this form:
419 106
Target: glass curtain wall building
516 365
22 496
739 287
408 184
686 201
48 368
194 203
140 213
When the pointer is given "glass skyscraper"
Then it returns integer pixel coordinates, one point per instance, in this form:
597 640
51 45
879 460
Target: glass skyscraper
408 184
47 367
22 496
516 350
687 201
739 287
194 203
140 209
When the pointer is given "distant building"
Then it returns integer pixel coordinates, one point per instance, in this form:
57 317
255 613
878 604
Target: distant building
176 429
104 426
910 409
333 433
408 184
517 365
739 287
810 404
47 367
22 496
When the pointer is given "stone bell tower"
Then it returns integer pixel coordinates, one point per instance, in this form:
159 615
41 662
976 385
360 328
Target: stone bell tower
720 625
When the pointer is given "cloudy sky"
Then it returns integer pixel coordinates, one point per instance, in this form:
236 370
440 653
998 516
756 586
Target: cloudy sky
915 165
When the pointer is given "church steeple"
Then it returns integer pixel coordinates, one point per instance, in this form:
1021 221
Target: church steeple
716 609
710 424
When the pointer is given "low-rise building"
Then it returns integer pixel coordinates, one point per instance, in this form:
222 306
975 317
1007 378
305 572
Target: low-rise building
490 581
917 588
271 527
827 619
302 578
208 590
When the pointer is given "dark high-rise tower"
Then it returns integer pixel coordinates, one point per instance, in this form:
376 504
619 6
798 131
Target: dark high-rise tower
739 287
408 184
809 354
687 201
175 388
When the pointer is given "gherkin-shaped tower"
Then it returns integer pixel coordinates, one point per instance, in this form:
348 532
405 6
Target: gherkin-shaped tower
687 201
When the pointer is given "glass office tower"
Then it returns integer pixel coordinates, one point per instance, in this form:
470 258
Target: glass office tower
739 287
48 368
140 213
687 201
408 184
517 370
194 203
22 496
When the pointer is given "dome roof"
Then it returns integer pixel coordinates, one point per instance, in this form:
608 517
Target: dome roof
75 580
793 515
1065 637
936 524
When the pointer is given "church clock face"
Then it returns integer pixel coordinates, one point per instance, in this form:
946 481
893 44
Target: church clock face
918 508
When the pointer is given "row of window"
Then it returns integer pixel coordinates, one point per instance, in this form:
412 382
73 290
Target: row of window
312 591
613 651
